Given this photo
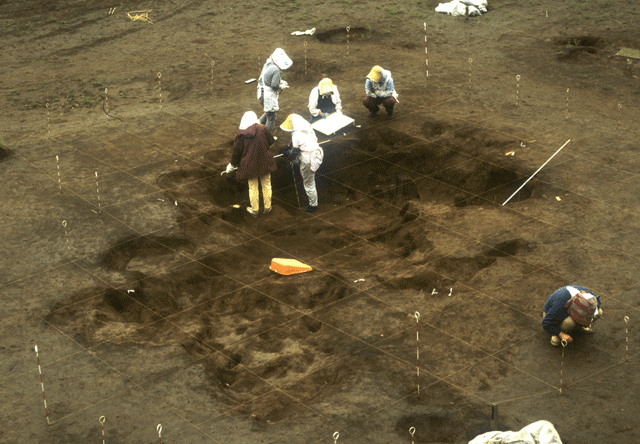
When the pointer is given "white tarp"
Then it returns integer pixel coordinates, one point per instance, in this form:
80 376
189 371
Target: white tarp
307 32
458 8
540 432
331 124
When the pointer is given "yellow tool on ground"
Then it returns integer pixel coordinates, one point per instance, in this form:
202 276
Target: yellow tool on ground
287 267
140 15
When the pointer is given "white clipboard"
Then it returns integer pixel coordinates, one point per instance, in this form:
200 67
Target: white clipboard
335 122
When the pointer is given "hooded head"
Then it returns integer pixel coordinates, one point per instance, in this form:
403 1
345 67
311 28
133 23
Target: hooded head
249 118
325 86
582 308
375 74
287 125
295 122
281 59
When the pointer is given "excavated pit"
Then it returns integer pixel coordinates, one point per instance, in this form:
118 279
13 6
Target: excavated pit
573 47
449 170
340 35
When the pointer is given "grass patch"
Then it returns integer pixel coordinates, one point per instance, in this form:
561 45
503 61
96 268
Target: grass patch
35 104
391 11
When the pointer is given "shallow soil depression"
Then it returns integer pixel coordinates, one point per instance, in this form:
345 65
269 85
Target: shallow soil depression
508 170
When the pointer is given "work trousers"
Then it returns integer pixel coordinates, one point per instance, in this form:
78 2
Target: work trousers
309 182
254 192
567 326
373 103
268 119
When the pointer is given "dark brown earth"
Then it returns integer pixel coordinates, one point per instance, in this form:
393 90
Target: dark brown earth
161 308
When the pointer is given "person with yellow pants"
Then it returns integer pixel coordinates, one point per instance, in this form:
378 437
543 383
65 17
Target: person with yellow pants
253 161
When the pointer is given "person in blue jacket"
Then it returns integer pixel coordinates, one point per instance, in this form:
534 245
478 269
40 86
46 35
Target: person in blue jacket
379 89
568 308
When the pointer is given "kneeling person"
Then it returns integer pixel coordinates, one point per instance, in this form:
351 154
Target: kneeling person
568 308
379 89
324 100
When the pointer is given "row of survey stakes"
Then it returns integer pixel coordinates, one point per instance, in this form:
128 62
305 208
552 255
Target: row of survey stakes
290 266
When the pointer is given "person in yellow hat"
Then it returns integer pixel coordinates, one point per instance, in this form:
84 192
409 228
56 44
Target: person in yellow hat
324 100
380 89
270 84
304 149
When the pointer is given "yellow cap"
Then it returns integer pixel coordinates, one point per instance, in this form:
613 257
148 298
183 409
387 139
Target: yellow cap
287 125
326 86
375 74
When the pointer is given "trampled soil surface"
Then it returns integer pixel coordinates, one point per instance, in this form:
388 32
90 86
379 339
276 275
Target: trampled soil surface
153 302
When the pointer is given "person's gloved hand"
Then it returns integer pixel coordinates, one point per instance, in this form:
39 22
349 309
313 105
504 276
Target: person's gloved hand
291 153
283 84
229 168
565 337
287 150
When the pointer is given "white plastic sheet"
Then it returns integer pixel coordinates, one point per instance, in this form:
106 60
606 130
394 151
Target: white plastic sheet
458 8
540 432
307 32
331 124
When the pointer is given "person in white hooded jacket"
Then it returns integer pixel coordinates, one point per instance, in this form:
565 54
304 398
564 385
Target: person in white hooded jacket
304 149
270 84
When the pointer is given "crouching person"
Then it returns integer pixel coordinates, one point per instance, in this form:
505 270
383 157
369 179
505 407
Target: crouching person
324 100
379 89
253 161
567 309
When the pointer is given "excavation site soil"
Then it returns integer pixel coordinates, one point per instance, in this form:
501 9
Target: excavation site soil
411 233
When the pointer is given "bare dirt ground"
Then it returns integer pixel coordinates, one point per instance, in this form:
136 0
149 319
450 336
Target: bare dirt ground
154 303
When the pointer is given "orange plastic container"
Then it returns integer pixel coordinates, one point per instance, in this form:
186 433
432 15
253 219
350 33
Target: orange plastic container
288 266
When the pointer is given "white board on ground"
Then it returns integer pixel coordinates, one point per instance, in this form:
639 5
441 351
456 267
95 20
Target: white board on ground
331 124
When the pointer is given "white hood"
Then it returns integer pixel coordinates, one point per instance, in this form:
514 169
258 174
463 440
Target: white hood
281 59
249 118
